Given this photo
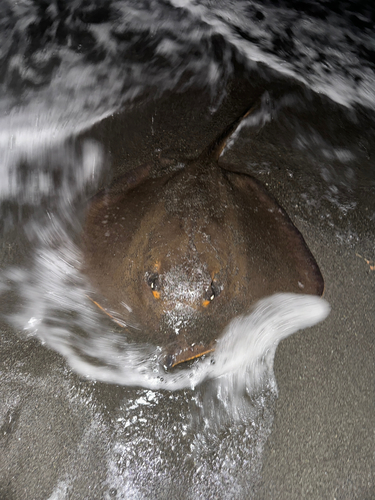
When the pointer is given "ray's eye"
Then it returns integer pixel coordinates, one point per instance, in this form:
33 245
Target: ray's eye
211 293
153 283
215 290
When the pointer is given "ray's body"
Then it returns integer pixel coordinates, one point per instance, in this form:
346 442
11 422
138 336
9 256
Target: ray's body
190 250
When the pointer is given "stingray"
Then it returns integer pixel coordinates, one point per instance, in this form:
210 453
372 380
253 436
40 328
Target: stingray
176 249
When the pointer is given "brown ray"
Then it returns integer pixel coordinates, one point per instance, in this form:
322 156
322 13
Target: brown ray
191 249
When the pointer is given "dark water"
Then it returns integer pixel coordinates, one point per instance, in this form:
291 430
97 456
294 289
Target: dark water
165 77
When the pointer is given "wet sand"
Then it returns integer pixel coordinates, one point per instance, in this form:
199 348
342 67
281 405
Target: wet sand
322 440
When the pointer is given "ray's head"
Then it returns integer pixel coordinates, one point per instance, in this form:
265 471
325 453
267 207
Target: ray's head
185 286
181 293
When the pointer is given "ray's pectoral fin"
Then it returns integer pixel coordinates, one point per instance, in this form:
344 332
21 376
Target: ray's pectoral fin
273 242
119 187
131 179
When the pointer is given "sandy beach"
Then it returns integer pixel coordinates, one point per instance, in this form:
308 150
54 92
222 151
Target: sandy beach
56 427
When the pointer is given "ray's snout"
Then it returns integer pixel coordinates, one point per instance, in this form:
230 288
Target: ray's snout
182 289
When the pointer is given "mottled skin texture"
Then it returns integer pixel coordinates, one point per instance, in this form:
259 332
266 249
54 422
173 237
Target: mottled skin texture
190 250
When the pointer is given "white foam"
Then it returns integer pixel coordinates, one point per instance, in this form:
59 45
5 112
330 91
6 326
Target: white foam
60 314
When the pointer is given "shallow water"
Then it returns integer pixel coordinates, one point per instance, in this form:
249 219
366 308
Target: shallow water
65 68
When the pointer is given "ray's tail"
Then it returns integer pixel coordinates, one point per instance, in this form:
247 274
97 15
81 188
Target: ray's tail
216 147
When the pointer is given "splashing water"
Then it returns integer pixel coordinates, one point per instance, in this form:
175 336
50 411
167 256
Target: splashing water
59 313
68 65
